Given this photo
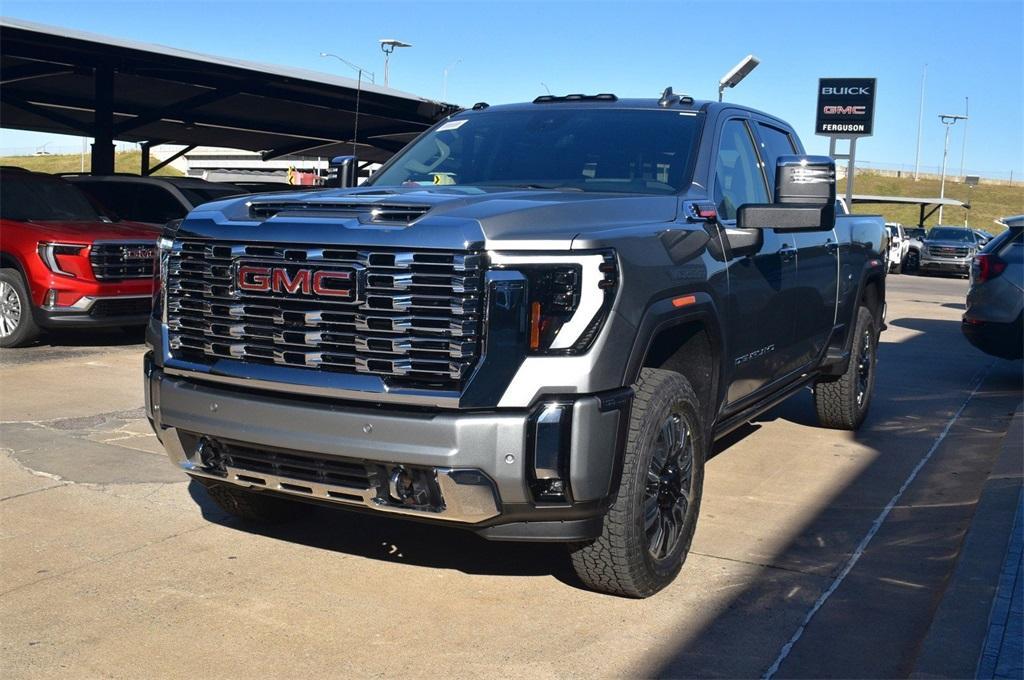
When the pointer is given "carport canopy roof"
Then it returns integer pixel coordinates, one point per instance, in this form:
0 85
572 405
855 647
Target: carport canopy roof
75 83
927 205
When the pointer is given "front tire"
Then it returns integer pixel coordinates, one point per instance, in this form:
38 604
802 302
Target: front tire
17 327
649 527
843 404
913 264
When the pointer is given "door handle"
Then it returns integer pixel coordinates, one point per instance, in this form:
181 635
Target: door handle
831 246
786 252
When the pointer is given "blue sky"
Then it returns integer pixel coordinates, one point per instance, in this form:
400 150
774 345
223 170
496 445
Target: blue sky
972 49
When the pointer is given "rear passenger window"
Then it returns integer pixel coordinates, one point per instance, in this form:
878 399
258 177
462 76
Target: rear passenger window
156 204
1013 252
774 143
738 178
116 197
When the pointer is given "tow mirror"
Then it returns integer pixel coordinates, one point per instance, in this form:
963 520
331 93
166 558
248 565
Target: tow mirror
342 171
805 197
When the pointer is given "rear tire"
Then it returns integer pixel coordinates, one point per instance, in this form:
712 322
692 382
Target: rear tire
649 527
17 327
254 506
842 404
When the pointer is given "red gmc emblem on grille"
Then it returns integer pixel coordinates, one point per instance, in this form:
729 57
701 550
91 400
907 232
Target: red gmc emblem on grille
324 282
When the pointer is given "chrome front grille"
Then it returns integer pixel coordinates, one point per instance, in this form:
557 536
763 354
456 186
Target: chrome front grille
948 251
118 260
412 317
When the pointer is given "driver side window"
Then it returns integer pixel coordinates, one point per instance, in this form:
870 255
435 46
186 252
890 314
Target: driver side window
738 177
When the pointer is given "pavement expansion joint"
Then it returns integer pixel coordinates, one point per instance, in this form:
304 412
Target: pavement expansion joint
762 565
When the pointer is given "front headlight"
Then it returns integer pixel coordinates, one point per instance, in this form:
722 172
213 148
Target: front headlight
164 247
569 297
52 255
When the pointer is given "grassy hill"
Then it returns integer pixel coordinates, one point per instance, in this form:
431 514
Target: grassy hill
124 161
988 201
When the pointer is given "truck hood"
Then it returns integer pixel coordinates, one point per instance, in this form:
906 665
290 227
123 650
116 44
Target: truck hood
453 217
88 231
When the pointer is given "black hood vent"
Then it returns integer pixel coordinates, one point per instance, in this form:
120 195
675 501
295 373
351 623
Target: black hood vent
377 213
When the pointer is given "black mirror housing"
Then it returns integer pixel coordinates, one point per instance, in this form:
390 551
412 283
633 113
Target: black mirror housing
805 179
805 197
342 171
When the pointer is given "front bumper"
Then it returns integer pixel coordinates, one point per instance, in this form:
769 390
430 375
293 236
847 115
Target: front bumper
479 464
97 312
961 265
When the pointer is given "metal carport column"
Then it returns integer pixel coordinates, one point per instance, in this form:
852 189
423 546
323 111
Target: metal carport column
103 121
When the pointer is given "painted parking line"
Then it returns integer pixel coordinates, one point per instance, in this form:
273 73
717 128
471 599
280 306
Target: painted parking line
875 526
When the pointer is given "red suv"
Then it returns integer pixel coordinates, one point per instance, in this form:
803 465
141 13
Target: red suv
64 264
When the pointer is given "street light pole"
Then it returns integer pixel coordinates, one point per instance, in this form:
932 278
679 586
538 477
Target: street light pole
449 67
949 121
359 89
387 46
963 148
920 123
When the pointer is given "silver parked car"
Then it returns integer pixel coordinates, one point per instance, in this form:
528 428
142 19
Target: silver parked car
995 301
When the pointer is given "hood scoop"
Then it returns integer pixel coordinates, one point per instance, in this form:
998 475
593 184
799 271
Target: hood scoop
374 213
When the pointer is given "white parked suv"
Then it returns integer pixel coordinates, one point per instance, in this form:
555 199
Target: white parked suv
899 247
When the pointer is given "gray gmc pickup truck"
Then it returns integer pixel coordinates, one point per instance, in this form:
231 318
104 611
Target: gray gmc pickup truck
531 323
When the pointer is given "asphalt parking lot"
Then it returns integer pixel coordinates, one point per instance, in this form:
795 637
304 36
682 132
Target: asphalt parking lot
114 565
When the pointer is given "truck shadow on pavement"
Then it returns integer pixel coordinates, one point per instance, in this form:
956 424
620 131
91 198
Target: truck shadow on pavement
873 624
396 540
922 379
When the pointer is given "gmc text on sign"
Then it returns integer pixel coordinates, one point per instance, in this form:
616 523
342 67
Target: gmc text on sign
846 107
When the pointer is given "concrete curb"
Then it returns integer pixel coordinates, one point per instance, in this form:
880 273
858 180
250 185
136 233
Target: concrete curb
955 641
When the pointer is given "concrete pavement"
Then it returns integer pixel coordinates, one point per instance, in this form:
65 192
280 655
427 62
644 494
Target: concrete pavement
115 566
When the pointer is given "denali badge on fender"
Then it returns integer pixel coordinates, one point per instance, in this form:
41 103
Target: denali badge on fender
255 278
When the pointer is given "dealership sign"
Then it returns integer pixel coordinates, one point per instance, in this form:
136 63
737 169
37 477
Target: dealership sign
846 107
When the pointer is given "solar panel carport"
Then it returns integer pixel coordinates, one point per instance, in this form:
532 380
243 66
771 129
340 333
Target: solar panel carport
75 83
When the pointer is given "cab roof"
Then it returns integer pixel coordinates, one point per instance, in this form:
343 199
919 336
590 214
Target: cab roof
676 102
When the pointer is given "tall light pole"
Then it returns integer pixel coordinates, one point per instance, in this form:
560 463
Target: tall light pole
963 148
449 67
920 123
738 73
359 89
387 46
949 120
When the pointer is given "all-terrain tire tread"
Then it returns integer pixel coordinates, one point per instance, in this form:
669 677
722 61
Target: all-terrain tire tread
836 401
611 564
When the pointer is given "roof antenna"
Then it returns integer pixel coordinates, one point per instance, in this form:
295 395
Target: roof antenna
668 98
544 85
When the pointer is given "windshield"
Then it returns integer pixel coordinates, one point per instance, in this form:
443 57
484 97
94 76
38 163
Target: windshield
31 197
946 234
599 149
